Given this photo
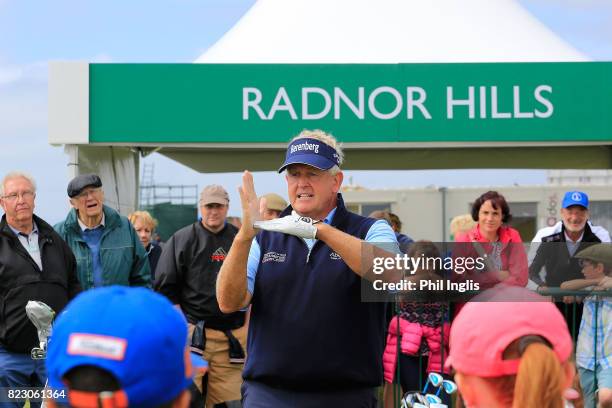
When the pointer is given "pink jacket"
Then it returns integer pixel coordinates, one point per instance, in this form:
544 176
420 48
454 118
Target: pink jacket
513 255
411 335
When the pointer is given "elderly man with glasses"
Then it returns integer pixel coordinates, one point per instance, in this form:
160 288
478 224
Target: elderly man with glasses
107 249
35 264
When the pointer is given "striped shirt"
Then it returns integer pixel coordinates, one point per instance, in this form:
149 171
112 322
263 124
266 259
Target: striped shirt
595 336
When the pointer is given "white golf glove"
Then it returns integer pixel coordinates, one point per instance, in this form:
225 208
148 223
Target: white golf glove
293 224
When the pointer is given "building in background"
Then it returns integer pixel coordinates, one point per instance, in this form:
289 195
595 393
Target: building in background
584 177
427 212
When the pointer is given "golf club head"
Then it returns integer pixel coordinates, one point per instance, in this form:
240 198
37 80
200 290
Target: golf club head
449 387
412 404
435 379
41 316
432 399
411 398
39 353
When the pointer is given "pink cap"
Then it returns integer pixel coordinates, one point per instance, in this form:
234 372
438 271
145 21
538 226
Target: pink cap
485 328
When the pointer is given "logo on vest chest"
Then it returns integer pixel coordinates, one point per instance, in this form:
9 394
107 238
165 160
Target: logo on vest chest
334 256
273 257
219 255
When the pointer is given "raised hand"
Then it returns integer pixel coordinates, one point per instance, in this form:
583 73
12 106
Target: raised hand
250 205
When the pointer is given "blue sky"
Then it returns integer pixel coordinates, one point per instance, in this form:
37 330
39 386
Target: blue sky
35 32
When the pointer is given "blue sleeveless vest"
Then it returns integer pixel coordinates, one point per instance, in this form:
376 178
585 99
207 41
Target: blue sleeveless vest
309 329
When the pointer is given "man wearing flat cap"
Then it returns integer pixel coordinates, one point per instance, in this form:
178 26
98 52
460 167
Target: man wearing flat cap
594 346
106 247
312 341
187 274
271 205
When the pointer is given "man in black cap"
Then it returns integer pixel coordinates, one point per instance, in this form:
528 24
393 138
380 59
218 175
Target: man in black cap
35 265
106 247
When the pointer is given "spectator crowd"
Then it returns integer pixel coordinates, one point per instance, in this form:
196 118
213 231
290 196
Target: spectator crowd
267 310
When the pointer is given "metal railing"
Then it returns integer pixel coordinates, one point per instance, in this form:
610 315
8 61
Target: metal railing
572 312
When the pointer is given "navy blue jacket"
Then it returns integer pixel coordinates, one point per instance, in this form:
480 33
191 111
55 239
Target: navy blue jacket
309 329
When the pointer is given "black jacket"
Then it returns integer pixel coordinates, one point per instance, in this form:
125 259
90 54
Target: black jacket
187 273
154 252
553 254
22 280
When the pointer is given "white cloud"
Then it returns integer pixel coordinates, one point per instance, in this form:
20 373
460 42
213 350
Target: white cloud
23 110
101 58
9 74
23 133
36 72
14 74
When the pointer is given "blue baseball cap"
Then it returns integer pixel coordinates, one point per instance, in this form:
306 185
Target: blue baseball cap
312 152
575 198
135 334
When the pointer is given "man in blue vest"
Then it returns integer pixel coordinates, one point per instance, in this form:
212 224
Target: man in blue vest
312 342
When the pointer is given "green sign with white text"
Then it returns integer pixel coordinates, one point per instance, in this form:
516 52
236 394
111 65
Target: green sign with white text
386 103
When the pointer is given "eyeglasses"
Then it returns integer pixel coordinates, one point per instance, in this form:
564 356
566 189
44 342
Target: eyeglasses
85 193
26 195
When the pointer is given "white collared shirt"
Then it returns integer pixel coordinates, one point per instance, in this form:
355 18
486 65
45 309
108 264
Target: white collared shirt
85 227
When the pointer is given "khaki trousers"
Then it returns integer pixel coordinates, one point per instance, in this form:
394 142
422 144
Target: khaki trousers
224 378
